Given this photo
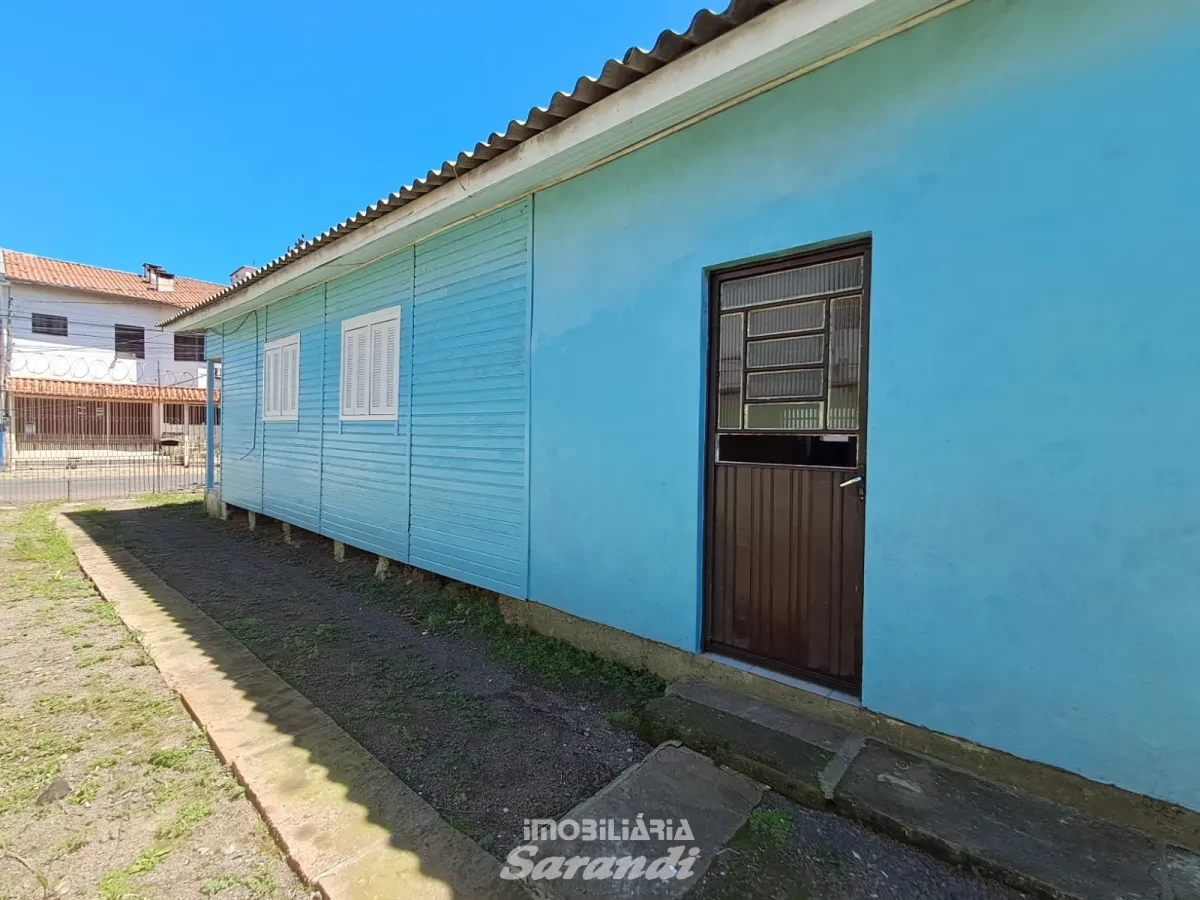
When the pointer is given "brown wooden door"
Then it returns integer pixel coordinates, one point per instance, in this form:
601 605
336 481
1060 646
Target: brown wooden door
787 464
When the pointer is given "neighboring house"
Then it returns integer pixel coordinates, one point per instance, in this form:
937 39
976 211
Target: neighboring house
85 367
615 361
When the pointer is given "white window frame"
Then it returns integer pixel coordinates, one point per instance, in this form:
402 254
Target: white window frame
272 354
381 316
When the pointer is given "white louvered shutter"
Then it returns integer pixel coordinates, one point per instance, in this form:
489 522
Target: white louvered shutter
272 377
383 368
355 372
294 394
276 392
371 365
375 392
285 380
347 373
266 384
362 375
391 366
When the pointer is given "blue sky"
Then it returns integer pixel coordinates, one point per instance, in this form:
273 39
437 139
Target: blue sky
203 136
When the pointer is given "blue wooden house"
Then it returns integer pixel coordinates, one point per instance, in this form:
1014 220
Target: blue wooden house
817 338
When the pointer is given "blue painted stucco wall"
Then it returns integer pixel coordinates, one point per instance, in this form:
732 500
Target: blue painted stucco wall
1027 172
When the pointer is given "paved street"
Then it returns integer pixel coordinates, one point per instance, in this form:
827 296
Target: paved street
22 489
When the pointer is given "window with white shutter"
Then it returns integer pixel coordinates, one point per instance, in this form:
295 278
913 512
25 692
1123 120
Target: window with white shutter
281 379
371 365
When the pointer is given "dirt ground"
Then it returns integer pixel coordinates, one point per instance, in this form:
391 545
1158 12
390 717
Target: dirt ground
490 723
789 852
107 788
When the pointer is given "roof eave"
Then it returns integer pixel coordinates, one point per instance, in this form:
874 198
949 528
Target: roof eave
781 43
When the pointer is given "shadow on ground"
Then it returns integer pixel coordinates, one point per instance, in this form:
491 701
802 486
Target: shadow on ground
489 722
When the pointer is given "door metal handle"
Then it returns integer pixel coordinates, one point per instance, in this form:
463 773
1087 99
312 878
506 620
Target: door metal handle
854 480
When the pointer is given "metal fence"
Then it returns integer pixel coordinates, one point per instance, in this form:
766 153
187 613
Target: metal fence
79 450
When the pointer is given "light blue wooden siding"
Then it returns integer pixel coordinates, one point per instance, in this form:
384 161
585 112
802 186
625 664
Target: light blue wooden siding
291 476
470 353
445 485
365 472
241 426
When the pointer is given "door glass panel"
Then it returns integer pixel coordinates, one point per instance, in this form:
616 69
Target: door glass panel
784 416
781 385
794 284
729 376
808 316
795 351
845 353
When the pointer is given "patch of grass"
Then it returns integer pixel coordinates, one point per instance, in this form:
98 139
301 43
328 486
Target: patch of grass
410 677
136 711
82 645
624 718
104 762
170 498
311 643
43 585
54 704
114 885
213 886
88 660
30 758
102 611
246 630
547 658
188 817
470 709
74 842
474 832
71 630
392 713
164 792
260 883
178 499
770 826
85 791
171 758
148 860
38 540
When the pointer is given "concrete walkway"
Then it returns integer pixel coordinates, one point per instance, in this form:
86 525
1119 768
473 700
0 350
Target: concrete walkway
1031 843
347 825
672 784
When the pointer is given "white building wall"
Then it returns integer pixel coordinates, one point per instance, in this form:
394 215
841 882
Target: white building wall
88 352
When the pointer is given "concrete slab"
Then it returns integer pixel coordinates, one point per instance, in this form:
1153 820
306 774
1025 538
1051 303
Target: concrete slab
797 756
671 784
346 823
1031 843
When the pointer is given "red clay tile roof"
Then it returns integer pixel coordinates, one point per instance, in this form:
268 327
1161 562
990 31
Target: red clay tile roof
42 270
105 390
